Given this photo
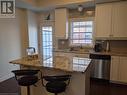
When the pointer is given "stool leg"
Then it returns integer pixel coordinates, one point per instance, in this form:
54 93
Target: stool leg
55 93
28 90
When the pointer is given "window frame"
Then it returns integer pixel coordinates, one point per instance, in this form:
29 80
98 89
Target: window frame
81 20
40 45
48 62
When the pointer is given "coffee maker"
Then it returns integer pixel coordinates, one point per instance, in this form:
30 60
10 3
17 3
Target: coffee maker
98 47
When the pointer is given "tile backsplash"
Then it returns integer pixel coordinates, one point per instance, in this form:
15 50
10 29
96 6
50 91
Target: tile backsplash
115 45
63 43
118 46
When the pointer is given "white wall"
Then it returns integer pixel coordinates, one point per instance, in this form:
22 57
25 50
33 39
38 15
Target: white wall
12 33
22 14
32 30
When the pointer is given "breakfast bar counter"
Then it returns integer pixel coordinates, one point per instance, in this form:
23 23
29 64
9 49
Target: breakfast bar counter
72 64
26 62
77 66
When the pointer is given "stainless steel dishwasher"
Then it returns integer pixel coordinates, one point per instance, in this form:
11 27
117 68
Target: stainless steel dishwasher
100 66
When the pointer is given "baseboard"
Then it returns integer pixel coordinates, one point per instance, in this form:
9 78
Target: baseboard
3 78
118 82
9 94
100 80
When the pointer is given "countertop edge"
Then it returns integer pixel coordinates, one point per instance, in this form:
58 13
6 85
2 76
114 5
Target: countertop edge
31 65
112 53
109 53
20 62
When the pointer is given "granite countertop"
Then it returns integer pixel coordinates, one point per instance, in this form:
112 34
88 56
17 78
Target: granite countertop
26 62
77 52
78 64
72 64
112 53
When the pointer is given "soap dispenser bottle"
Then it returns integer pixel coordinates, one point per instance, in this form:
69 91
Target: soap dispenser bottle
107 46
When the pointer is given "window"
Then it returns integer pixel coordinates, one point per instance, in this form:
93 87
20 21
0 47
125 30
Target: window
47 46
81 33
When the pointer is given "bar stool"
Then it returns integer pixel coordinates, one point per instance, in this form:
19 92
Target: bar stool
26 78
56 84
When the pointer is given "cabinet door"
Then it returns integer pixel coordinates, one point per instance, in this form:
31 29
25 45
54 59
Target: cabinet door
119 19
61 23
103 20
114 69
123 69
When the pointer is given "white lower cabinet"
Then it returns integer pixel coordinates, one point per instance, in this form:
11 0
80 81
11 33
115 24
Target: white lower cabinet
118 71
123 69
114 68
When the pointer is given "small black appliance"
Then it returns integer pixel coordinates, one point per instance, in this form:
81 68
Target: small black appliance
98 47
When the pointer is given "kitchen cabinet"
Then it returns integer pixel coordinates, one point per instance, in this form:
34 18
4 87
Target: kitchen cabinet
111 20
118 69
115 60
103 20
119 18
123 69
61 23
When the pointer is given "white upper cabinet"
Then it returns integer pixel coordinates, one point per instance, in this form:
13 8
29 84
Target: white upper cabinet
61 23
103 20
111 20
120 19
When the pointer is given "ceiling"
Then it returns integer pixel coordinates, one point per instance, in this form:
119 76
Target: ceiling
47 5
50 6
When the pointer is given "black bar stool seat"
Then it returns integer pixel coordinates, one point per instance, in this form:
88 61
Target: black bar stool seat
26 78
56 84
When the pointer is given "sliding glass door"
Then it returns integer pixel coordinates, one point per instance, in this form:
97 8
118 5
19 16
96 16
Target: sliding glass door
47 45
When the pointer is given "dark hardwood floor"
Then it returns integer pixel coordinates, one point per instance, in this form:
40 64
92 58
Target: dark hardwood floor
9 86
97 87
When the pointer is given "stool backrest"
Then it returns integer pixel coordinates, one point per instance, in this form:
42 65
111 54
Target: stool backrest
57 78
26 77
25 72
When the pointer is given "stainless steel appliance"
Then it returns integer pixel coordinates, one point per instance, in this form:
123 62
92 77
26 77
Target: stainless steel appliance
100 66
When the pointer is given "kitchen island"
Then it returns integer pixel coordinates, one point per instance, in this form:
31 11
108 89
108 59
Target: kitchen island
78 67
